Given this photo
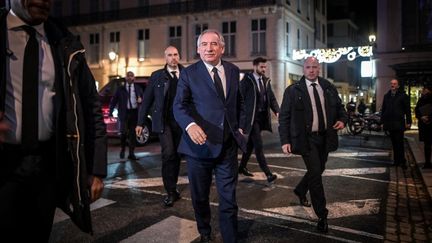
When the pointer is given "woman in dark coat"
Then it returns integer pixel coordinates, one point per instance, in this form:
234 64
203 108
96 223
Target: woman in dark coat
423 111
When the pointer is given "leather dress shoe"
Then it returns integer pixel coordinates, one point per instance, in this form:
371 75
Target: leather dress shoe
271 177
122 154
245 171
322 225
302 199
171 198
205 238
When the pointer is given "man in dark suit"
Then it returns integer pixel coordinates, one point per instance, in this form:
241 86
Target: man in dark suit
258 99
127 99
160 93
396 118
209 108
311 113
52 136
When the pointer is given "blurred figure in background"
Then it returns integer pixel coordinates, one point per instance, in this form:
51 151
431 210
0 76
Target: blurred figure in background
423 112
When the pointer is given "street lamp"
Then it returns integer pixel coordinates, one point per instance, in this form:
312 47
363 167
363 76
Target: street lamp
113 56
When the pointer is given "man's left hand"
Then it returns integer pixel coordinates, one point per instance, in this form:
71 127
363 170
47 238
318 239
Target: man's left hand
96 187
338 125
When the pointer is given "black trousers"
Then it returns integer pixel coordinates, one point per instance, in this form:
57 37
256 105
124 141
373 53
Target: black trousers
128 130
397 139
315 162
27 193
255 141
169 141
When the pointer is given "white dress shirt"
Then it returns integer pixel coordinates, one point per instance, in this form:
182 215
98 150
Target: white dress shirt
314 108
17 40
221 72
133 96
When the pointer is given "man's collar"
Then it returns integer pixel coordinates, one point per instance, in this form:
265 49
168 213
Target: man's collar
308 82
210 67
15 23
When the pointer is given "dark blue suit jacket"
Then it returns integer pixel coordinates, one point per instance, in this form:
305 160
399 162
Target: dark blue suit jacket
197 101
120 99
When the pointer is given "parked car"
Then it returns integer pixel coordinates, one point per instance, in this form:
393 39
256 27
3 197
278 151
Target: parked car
112 123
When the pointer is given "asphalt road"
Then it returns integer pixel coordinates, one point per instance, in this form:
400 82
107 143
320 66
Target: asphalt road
356 183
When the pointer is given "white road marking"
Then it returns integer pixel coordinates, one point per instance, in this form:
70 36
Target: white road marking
144 182
336 210
335 154
100 203
288 218
171 229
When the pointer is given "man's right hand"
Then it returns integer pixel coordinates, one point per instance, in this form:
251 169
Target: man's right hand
197 135
138 130
286 148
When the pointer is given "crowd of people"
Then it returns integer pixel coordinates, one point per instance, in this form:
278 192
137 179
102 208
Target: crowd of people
202 112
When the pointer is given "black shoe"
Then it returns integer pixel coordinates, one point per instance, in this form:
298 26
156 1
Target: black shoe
205 238
171 198
132 157
244 171
322 225
303 199
122 154
271 177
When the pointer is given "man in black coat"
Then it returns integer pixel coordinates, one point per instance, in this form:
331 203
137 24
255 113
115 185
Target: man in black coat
127 99
259 99
396 118
423 112
160 93
311 113
61 160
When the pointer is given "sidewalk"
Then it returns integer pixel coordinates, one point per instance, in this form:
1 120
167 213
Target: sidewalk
416 148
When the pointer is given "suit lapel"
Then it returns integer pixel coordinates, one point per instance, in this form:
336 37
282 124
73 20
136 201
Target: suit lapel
203 72
304 89
228 78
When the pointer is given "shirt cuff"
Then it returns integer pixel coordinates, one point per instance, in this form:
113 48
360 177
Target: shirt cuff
190 124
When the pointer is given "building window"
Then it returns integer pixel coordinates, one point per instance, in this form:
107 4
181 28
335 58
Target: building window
93 57
318 30
143 3
199 28
94 6
287 41
308 9
298 39
258 28
229 30
323 8
175 33
114 4
299 2
114 41
288 2
324 33
330 30
307 41
75 7
318 5
143 44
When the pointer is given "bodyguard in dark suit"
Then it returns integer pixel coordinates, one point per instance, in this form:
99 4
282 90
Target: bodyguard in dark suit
52 136
259 100
160 93
127 99
396 118
311 113
209 108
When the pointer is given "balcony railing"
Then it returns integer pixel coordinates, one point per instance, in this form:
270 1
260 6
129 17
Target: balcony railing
159 10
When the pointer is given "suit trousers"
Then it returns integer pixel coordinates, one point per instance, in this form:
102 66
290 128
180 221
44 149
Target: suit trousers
200 172
315 162
128 129
255 141
397 139
27 192
169 141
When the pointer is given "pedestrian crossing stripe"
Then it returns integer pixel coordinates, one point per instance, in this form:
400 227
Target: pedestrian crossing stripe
336 209
100 203
334 154
171 229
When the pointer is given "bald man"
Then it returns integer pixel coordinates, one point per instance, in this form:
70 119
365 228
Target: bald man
310 116
161 92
